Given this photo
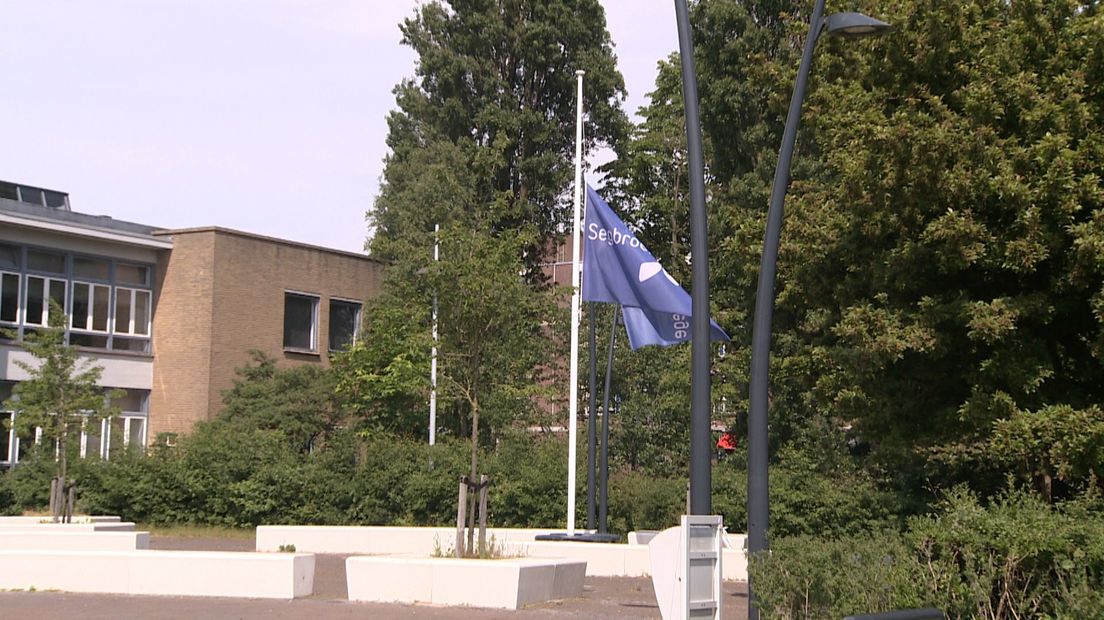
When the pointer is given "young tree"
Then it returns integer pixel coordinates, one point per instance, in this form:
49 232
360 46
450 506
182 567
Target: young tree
60 395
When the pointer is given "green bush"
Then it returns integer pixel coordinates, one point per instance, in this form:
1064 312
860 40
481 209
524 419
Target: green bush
1018 557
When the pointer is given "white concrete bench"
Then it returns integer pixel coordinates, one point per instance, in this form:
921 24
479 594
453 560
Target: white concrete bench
33 519
377 540
162 573
618 560
74 541
510 583
104 526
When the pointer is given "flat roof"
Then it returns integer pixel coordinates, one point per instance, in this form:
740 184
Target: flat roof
249 235
79 224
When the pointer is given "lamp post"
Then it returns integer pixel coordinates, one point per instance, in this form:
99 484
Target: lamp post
701 484
845 24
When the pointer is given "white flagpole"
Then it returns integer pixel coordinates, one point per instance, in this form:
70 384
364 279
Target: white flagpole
573 405
433 353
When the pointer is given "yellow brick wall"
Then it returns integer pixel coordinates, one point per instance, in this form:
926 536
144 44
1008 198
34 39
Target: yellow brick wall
223 294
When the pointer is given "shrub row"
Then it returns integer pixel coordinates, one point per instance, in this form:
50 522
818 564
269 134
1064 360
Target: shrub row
232 476
1016 557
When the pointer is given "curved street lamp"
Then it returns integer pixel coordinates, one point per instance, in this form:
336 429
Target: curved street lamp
840 24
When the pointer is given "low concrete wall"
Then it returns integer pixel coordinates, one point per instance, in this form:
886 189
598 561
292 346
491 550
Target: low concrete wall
74 541
377 540
603 560
35 519
163 573
106 526
504 584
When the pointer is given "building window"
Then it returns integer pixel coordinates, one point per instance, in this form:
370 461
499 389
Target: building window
90 306
91 268
9 297
9 256
132 274
48 262
300 322
132 311
128 429
39 293
344 323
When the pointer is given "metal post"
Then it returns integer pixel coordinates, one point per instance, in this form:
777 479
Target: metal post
433 351
603 496
700 475
573 377
758 493
592 413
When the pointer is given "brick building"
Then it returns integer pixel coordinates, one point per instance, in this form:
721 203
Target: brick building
168 314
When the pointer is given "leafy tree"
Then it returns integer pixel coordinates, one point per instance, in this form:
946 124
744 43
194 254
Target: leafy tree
60 395
495 333
298 402
487 126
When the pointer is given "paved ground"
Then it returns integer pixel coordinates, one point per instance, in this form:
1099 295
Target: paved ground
603 597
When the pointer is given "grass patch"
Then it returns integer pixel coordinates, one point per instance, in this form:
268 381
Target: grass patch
197 531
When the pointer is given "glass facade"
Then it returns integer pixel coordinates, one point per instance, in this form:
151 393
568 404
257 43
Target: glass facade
109 302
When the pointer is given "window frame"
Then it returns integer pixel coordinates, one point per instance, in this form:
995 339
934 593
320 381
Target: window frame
18 297
47 283
315 301
90 319
357 317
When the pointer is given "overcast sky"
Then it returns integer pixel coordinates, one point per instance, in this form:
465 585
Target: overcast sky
267 116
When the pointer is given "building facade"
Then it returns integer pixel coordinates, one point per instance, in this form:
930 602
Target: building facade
168 314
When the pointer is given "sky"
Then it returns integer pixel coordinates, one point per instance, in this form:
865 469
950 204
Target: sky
267 116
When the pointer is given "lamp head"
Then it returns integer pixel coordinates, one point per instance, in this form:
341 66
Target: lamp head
854 25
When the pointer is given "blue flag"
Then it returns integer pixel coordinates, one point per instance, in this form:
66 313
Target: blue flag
617 268
651 327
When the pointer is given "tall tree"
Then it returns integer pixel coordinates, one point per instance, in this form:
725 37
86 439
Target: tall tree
493 101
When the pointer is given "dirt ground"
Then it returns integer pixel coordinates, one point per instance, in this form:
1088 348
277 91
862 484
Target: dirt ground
603 597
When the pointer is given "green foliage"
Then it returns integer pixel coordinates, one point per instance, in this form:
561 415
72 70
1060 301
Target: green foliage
1015 558
486 128
61 391
27 487
298 401
1056 445
638 501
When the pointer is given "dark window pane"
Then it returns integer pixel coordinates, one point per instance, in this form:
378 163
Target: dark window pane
81 305
135 345
343 323
31 195
88 340
57 293
93 440
54 199
132 274
9 297
132 400
91 268
122 310
5 437
137 436
7 190
9 256
50 262
100 299
36 301
142 312
299 321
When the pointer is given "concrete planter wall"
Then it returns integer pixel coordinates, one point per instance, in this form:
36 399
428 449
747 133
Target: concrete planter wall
53 540
504 584
163 573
